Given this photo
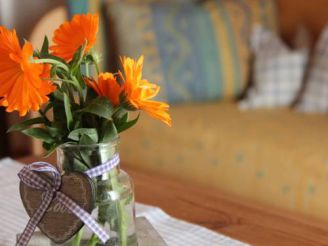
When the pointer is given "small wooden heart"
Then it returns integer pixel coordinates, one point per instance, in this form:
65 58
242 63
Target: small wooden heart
58 223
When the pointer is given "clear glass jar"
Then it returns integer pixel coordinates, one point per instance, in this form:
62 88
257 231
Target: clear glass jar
114 208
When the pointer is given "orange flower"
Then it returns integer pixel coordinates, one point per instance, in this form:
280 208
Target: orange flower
106 86
21 87
71 35
139 91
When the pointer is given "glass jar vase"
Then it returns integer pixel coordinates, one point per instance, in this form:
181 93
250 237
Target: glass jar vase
114 202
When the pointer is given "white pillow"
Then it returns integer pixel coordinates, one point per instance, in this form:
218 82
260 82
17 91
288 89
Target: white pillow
315 96
278 70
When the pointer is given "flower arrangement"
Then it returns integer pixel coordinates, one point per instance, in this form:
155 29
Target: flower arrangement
76 106
84 108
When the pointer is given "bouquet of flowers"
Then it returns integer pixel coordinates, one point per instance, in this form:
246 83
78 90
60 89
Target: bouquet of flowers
78 105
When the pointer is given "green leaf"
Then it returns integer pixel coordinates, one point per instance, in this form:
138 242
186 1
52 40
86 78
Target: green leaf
25 124
39 133
91 94
89 58
59 111
101 107
36 54
79 166
127 124
125 103
45 47
86 153
78 56
68 112
50 148
120 119
87 139
78 133
58 95
108 131
56 132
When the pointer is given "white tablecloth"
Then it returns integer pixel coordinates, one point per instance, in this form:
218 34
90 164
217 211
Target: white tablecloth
13 217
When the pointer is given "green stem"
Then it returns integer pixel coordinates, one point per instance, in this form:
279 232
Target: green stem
97 67
123 224
77 238
81 97
93 240
122 220
52 61
86 69
112 212
60 80
44 116
115 212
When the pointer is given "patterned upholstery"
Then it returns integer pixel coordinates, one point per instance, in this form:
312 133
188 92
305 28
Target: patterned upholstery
278 71
196 52
278 157
315 96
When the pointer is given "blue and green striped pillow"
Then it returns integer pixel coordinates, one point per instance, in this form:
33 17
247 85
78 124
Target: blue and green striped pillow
196 52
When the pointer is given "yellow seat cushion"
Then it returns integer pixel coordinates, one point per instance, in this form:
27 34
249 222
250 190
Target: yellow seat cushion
278 157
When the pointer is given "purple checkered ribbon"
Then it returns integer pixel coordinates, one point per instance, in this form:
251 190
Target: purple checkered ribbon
101 169
28 175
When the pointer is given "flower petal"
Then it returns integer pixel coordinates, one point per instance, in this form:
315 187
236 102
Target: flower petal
139 91
106 86
72 35
21 87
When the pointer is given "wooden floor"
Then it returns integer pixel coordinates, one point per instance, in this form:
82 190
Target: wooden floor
239 219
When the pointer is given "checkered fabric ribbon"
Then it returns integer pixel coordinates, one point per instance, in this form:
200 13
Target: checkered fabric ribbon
28 175
101 169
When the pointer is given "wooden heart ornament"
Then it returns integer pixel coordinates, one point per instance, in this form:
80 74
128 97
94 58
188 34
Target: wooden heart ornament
59 223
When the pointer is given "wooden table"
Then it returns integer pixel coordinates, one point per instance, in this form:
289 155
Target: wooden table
237 218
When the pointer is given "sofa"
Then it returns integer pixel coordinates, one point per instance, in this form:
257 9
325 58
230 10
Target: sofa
276 157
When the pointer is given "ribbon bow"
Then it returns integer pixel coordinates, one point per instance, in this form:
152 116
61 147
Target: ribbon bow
28 175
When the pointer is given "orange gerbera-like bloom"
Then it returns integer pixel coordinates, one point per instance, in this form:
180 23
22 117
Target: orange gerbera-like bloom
21 87
138 91
106 86
72 34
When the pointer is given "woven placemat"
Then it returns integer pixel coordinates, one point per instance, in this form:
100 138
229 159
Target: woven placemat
146 233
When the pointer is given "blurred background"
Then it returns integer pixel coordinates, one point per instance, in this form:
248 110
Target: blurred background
34 18
225 133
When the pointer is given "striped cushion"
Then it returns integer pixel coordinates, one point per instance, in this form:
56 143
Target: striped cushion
196 52
79 6
94 6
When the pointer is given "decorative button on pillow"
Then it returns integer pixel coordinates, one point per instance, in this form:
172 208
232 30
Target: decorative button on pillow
315 97
278 70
